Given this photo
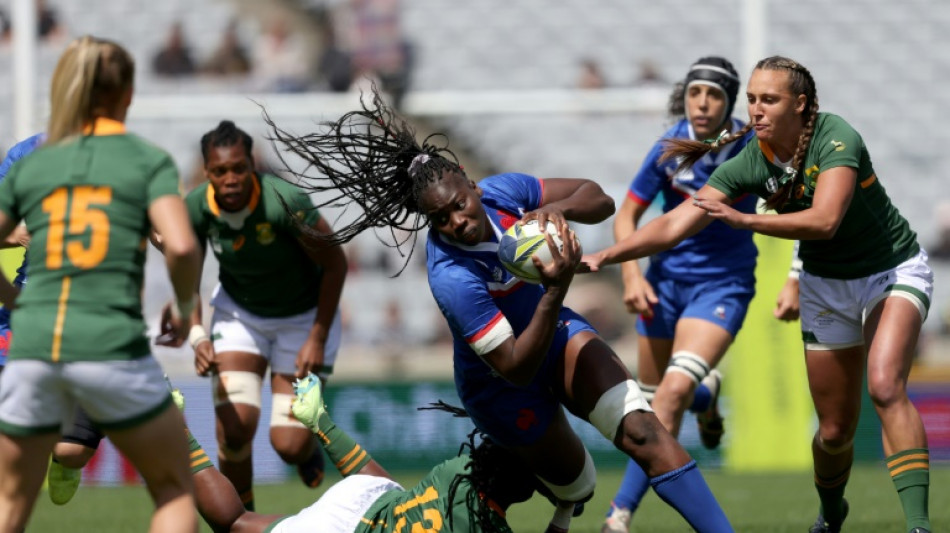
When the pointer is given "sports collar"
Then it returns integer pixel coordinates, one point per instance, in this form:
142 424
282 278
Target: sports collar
104 126
251 204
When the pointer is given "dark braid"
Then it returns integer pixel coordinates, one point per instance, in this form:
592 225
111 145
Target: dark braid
226 134
690 151
363 160
489 472
800 81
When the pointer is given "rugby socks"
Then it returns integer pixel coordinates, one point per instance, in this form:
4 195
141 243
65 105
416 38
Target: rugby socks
831 494
702 399
197 458
685 490
348 456
632 488
910 472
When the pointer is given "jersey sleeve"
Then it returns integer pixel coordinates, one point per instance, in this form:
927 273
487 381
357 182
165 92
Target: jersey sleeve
17 152
735 177
7 204
469 309
194 202
301 208
839 145
522 190
163 180
649 179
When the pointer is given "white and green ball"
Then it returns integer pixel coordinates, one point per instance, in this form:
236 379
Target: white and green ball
522 241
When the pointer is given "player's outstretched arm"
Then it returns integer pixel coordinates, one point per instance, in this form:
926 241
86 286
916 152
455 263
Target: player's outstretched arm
348 456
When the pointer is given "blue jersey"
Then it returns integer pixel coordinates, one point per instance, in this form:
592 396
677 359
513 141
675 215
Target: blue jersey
717 250
19 151
483 303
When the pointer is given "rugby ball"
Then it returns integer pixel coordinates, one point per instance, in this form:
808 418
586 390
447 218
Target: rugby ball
522 241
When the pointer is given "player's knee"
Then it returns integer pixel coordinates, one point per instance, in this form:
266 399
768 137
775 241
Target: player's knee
72 455
688 366
237 387
614 405
234 452
581 489
885 389
833 442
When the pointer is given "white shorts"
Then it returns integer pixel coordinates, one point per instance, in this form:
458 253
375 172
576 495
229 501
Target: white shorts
340 508
833 311
40 396
235 329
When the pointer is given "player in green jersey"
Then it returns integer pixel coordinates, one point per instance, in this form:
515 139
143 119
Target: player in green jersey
276 304
466 494
865 286
89 197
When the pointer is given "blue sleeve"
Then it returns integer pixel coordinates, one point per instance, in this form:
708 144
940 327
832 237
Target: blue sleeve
19 151
650 179
521 190
464 300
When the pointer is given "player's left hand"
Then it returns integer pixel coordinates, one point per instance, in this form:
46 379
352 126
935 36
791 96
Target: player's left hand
721 211
310 358
560 270
786 306
545 214
173 330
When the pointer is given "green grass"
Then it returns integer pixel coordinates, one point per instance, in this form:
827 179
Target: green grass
755 503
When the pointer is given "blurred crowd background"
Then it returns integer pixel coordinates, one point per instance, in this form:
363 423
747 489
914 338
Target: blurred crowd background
516 87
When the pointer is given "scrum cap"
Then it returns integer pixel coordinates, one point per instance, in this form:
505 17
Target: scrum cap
717 72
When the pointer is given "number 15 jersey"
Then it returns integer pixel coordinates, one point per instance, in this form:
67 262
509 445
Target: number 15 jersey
85 204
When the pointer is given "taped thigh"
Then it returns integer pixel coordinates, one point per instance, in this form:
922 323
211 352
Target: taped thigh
689 364
616 403
581 489
237 386
280 414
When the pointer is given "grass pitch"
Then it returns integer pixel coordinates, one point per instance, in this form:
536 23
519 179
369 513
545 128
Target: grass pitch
755 503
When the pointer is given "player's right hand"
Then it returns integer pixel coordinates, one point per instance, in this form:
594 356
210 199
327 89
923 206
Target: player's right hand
638 297
560 270
206 360
173 330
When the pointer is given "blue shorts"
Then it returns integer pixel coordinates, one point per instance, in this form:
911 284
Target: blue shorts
723 302
512 415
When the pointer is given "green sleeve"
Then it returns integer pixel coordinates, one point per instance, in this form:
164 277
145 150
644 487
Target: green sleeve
299 204
163 180
194 202
838 144
731 178
7 204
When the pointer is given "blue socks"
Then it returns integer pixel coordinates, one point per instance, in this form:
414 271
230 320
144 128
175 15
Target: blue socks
702 399
634 485
685 490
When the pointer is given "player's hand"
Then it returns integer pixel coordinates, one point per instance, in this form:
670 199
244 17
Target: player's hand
560 271
206 360
173 330
786 306
590 263
310 358
723 212
639 297
545 214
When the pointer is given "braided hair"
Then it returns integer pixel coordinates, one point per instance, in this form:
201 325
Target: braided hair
370 159
800 82
493 472
226 134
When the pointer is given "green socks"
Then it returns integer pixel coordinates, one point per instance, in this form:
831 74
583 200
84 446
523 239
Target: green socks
348 456
910 472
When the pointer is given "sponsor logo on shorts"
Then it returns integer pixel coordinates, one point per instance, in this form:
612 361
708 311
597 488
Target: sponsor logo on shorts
526 419
720 312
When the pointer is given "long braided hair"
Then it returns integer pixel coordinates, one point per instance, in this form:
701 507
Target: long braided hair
493 472
800 81
370 160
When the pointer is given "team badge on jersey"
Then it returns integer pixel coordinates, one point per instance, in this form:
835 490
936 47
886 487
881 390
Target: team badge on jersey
265 233
839 145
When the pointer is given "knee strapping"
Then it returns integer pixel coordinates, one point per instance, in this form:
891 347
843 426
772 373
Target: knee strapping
688 363
616 403
648 391
280 414
237 386
833 450
581 489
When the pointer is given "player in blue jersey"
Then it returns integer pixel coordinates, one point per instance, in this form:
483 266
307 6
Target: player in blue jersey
693 298
520 356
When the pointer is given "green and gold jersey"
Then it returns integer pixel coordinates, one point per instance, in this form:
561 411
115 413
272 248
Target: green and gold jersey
872 237
85 205
425 507
263 266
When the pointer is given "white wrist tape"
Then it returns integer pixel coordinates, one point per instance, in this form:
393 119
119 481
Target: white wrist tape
197 334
